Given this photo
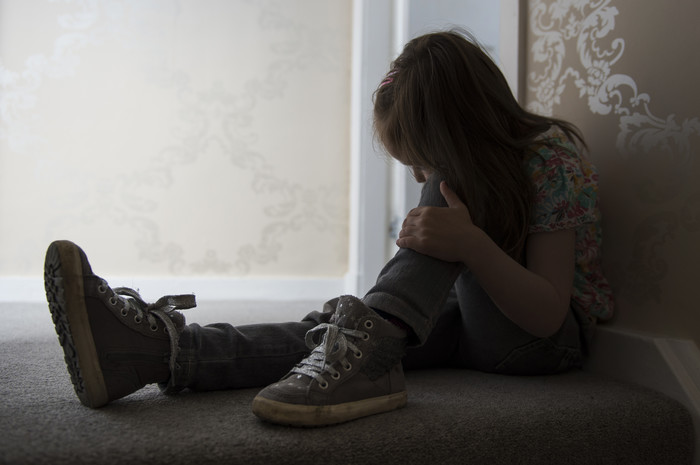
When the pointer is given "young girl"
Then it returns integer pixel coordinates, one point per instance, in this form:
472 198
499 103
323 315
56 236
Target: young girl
498 268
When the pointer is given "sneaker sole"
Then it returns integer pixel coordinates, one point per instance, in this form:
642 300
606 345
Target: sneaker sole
323 415
63 282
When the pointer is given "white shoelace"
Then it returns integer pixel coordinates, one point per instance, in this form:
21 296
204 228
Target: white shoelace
333 347
163 308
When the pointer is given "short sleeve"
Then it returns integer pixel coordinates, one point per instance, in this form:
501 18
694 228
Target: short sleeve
565 188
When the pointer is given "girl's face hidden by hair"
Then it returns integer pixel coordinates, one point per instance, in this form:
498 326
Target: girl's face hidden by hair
420 173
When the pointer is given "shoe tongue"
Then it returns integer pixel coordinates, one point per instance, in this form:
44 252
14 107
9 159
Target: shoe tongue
170 303
348 312
178 319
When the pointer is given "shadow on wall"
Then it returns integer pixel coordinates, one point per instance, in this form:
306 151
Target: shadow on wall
589 62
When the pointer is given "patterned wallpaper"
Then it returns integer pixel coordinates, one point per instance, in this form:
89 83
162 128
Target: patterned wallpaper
176 137
613 68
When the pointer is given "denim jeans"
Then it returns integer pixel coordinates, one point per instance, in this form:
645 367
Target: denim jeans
454 323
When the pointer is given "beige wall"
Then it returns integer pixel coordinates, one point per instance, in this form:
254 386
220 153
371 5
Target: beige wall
627 72
176 137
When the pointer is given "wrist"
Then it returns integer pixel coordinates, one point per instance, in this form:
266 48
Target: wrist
476 244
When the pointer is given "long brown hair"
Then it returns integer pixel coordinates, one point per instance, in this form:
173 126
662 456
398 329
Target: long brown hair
445 106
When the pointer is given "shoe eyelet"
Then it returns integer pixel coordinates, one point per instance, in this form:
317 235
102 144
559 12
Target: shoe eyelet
124 311
369 324
358 354
348 367
113 300
154 328
323 385
101 289
137 319
365 337
335 375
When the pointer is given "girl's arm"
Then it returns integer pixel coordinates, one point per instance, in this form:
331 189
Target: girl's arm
536 298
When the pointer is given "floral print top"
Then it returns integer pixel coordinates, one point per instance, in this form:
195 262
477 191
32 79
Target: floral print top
566 197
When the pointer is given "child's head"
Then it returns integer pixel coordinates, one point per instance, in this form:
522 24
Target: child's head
445 107
443 92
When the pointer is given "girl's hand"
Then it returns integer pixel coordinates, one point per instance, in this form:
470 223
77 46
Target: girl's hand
536 298
438 232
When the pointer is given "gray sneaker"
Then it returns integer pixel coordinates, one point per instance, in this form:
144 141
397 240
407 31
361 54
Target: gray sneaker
354 370
114 343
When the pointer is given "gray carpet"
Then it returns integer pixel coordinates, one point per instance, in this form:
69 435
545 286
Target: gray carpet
453 416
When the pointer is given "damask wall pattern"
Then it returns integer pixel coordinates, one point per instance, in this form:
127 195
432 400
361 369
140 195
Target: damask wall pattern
613 68
176 137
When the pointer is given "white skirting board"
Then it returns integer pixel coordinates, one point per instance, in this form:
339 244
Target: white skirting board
670 366
31 289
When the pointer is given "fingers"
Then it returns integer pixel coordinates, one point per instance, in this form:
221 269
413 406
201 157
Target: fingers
403 243
415 218
408 229
415 211
450 196
404 234
407 242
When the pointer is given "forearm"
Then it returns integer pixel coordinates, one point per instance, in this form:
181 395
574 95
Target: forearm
528 299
